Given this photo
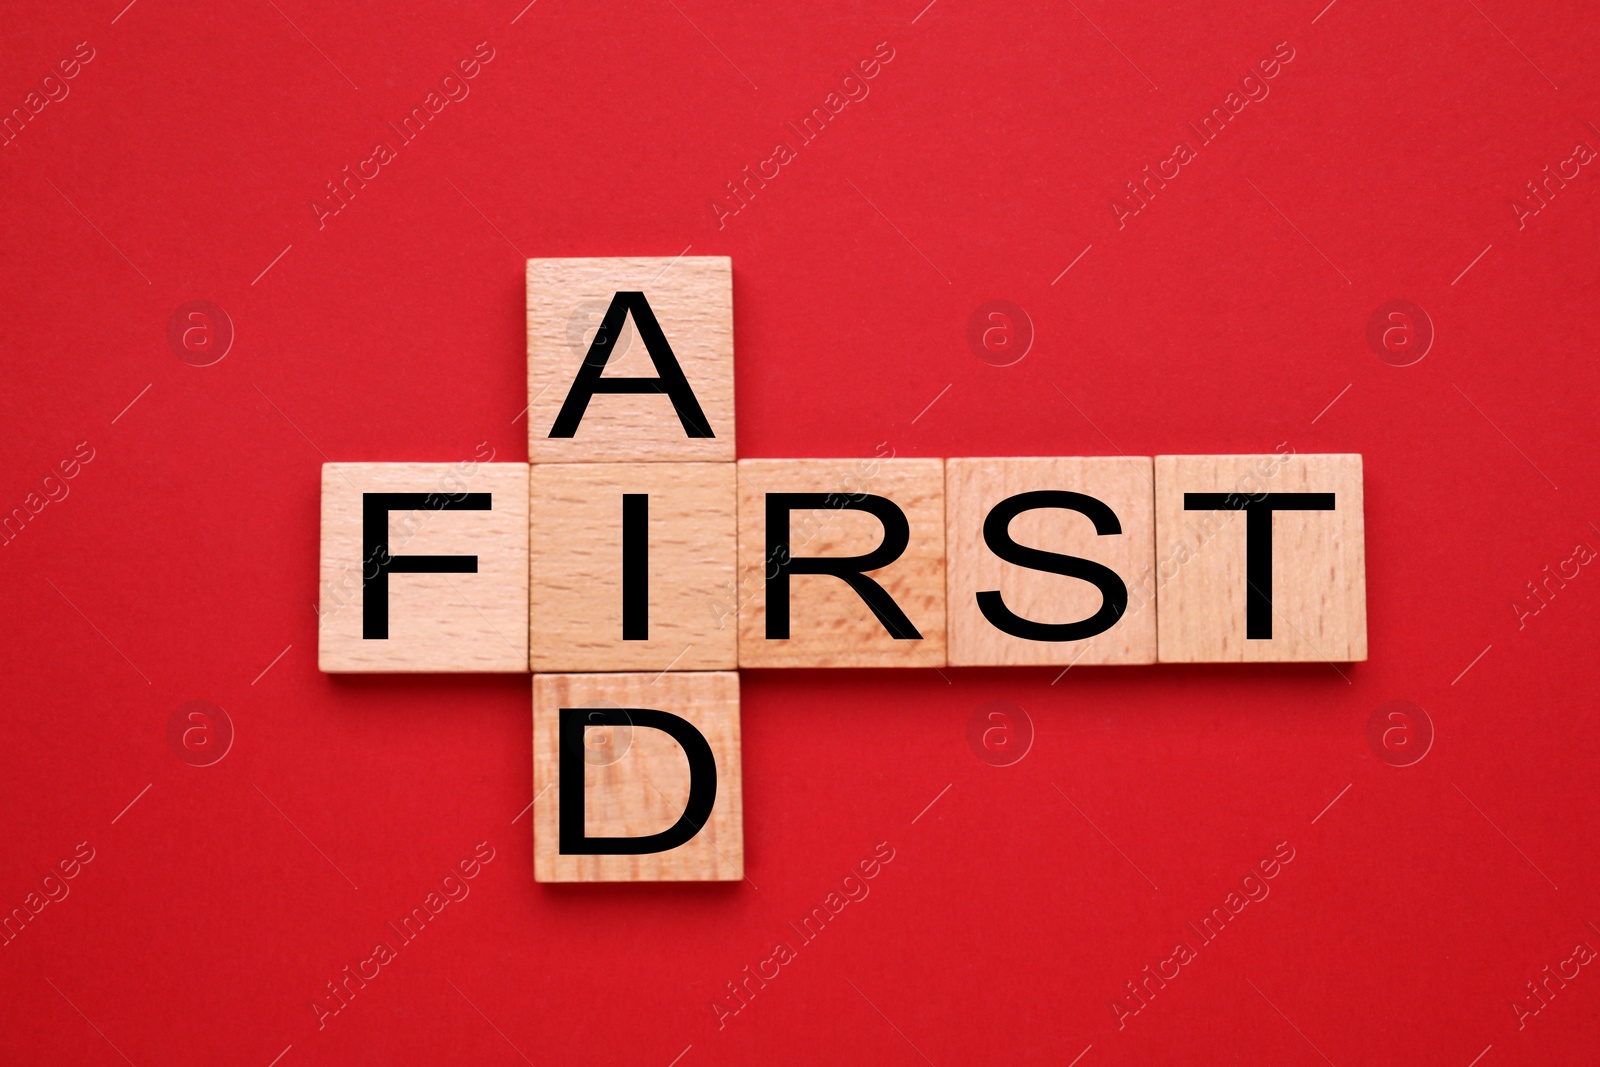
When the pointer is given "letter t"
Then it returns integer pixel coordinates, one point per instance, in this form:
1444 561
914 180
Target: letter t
1258 544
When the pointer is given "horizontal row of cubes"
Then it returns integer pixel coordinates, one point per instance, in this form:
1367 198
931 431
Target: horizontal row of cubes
549 586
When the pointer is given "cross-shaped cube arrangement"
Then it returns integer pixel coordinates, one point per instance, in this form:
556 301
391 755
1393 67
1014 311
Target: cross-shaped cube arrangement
635 563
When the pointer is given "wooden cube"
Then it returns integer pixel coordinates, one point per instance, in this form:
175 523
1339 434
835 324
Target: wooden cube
636 777
828 621
675 525
424 567
1220 600
1117 534
644 318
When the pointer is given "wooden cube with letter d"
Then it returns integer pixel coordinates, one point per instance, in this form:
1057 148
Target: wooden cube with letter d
636 777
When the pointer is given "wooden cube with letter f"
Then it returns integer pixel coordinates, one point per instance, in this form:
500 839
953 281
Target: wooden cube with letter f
636 777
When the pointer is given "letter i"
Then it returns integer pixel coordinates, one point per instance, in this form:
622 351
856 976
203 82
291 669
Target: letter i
635 566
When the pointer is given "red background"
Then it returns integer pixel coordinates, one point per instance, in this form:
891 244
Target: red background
1222 318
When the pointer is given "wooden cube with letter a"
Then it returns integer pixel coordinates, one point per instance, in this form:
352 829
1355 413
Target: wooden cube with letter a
632 567
636 777
841 563
1261 558
630 359
424 567
1051 560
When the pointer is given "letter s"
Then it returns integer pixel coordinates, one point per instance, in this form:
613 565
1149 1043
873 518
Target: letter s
1113 592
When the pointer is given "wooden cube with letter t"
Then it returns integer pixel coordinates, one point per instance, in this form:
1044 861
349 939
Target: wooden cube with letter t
630 358
1260 559
636 777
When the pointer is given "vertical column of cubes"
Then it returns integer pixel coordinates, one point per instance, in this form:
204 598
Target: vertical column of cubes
633 554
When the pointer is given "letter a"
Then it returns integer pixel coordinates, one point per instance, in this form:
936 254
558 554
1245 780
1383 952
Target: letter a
669 380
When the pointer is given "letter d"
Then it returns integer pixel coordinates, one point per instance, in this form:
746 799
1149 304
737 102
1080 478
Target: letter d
702 781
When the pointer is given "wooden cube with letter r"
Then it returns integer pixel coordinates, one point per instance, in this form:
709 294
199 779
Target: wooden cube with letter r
841 563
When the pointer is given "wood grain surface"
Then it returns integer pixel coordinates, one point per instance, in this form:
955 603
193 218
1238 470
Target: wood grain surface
576 544
692 299
974 486
830 625
439 623
1319 597
636 780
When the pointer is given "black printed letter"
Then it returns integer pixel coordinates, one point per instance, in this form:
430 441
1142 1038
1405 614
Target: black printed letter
781 562
1258 544
997 535
378 564
702 781
635 566
670 378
